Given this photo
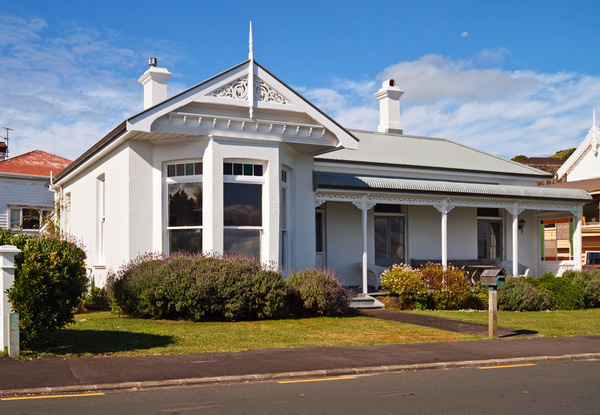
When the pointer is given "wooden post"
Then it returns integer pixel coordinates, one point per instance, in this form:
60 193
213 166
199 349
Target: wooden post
493 312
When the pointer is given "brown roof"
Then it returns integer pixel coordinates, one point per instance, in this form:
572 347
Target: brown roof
550 161
34 163
589 185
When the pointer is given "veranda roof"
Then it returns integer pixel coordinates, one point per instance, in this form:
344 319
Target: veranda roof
345 181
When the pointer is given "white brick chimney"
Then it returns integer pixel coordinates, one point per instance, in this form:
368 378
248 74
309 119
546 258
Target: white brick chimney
154 81
389 107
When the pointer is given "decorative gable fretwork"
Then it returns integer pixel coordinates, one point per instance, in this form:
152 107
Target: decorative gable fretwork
238 89
217 122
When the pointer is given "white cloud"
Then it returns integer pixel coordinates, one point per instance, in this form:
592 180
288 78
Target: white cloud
499 111
464 34
62 92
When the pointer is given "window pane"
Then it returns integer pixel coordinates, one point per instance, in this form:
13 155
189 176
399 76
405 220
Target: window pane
197 168
319 230
15 218
189 169
180 170
242 241
242 204
385 208
31 219
227 168
389 240
185 204
248 169
237 169
258 170
170 170
490 212
189 240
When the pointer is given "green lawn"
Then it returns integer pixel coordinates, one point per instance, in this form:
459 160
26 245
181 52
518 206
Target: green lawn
548 323
102 333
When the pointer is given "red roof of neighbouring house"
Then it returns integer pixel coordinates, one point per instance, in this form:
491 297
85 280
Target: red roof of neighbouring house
35 163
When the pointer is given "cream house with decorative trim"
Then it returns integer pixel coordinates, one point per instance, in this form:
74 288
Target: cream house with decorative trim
243 163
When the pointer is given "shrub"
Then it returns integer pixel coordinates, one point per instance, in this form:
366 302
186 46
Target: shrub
589 282
564 294
317 292
520 294
477 298
198 287
96 298
50 281
406 283
449 287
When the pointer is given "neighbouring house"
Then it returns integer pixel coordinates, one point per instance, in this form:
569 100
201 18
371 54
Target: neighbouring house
582 171
547 164
25 199
242 163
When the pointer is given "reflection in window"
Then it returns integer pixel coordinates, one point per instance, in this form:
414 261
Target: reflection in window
185 216
242 214
556 239
28 218
389 235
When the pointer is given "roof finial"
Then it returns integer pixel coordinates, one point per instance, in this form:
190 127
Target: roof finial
251 52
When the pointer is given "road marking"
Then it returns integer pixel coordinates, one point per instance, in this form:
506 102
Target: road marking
20 398
317 380
499 367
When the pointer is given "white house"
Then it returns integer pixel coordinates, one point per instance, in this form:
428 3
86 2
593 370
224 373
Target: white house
24 195
243 163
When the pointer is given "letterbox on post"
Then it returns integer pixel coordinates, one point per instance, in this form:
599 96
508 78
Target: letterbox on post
493 278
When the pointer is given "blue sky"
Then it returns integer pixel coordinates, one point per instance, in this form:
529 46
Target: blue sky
507 77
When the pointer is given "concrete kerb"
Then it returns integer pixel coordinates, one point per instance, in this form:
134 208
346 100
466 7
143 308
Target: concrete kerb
106 387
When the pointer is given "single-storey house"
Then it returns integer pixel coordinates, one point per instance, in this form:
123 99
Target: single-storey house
25 199
243 163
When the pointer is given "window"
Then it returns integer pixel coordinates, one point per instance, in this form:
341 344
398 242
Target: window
184 221
489 234
284 220
27 218
242 208
390 235
100 218
556 237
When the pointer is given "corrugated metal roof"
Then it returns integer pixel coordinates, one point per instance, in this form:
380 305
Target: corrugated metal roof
327 180
426 152
34 163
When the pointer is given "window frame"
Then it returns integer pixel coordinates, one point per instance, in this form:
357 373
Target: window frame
181 179
543 240
402 213
43 214
246 179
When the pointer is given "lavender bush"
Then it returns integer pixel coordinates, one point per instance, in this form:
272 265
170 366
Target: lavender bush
317 292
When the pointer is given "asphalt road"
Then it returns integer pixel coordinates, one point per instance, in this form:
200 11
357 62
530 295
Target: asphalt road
547 388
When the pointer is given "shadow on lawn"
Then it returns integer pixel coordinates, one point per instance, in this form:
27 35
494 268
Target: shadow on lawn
101 342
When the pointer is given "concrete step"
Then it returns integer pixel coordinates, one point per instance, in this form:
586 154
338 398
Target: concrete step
365 301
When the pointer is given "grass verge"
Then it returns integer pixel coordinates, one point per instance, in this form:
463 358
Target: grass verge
102 333
563 323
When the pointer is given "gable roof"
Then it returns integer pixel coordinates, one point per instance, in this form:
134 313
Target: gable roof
142 121
590 143
35 163
426 152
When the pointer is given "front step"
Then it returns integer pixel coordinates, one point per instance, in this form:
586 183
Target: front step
365 301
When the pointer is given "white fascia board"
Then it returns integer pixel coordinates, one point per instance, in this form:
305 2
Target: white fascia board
24 176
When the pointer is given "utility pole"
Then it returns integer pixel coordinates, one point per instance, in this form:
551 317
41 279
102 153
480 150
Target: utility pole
6 139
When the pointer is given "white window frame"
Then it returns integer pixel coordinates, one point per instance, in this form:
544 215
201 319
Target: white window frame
100 218
44 213
284 254
258 180
195 178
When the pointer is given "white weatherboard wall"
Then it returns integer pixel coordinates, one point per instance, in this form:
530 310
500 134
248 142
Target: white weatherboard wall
587 168
23 191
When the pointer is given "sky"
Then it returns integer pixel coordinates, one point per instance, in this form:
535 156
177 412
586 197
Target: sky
505 77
